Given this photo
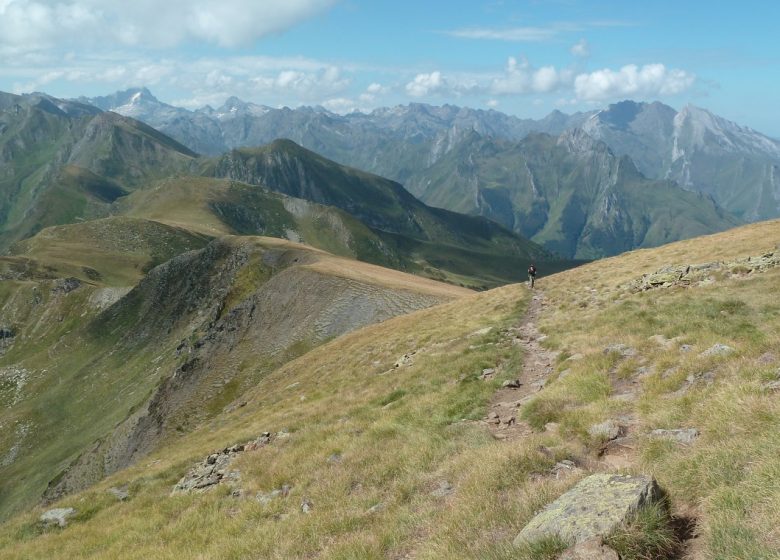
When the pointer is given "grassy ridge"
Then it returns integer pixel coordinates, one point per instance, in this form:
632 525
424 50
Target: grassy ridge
219 317
218 206
406 440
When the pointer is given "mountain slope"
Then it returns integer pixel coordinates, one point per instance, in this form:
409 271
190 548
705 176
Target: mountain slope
383 205
95 376
383 461
62 161
569 193
737 166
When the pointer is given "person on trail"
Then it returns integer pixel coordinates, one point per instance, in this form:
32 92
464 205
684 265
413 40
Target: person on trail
531 274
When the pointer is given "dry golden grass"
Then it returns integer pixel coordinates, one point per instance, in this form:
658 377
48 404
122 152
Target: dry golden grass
400 432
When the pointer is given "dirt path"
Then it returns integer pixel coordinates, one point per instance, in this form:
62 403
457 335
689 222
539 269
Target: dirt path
537 367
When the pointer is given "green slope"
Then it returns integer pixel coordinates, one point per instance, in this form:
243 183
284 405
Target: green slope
218 206
95 375
63 166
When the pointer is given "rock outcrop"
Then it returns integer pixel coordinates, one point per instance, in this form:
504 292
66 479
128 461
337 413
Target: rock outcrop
57 516
215 468
702 274
595 507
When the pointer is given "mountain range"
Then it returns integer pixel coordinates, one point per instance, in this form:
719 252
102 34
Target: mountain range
67 162
702 152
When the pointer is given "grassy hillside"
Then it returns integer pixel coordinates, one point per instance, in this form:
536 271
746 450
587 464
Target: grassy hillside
93 376
114 251
218 206
381 204
64 166
379 444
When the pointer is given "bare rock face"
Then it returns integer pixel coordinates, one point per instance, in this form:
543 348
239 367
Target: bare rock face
595 507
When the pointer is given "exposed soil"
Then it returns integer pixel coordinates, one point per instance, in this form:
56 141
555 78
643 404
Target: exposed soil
537 367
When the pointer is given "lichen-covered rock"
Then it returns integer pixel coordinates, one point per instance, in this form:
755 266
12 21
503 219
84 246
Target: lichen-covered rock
58 516
622 349
700 274
680 435
717 350
607 430
215 468
593 508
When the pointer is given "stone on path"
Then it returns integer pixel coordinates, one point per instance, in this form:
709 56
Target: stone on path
595 507
607 430
58 516
680 435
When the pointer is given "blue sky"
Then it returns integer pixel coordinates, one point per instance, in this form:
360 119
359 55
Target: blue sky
521 57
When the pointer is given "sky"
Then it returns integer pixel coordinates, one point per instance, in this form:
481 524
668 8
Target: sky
524 58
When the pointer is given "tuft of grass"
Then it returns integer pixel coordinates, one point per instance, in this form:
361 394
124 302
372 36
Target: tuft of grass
647 535
543 410
548 548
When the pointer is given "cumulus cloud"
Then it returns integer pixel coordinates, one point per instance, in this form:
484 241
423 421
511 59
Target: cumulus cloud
632 80
41 24
521 77
341 105
427 84
580 49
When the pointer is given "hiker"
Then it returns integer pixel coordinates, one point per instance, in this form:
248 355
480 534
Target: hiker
531 274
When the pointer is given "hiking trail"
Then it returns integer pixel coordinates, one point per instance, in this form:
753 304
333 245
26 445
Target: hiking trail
537 367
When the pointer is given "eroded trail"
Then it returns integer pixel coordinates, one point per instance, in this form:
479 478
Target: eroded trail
537 367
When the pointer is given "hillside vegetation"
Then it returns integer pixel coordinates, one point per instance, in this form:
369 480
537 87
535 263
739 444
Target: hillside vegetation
380 442
97 368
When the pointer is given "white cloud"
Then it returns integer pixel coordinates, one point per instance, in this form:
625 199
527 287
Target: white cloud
29 25
521 77
519 34
580 49
631 80
532 34
341 105
427 84
492 103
